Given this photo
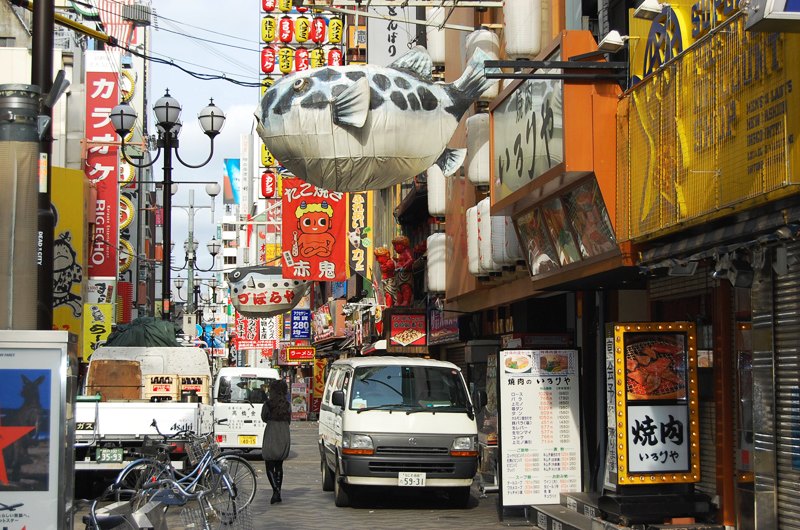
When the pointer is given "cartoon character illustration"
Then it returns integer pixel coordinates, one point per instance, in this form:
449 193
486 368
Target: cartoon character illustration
353 128
403 278
66 274
314 221
387 266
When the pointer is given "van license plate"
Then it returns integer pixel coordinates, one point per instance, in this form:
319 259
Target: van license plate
247 440
410 479
109 455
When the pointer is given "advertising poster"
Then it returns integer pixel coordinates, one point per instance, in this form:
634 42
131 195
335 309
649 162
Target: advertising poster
301 324
359 231
102 159
408 330
314 232
299 401
232 181
69 249
30 440
540 450
97 321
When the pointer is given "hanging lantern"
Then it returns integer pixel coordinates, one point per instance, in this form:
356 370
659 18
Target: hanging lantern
473 259
286 59
335 57
489 42
266 82
267 160
269 185
436 264
301 59
286 29
267 60
437 191
268 5
487 264
499 242
318 27
335 30
285 5
523 28
302 27
302 9
317 57
477 159
435 36
268 25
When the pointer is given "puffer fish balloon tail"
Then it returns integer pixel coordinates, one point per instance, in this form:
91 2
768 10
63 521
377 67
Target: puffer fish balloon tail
473 82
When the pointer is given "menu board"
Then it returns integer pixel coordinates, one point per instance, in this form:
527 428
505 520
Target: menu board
539 429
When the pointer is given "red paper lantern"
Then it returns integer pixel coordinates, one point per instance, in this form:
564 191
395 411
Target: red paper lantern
301 59
268 25
302 9
318 27
286 29
301 28
335 57
268 5
286 59
269 185
335 30
267 60
317 56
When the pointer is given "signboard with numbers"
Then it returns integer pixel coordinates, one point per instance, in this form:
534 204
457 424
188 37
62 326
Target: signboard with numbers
301 324
540 450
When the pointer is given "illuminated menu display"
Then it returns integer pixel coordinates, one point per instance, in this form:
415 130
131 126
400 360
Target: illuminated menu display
539 431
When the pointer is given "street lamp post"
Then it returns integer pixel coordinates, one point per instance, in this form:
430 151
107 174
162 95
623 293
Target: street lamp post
167 111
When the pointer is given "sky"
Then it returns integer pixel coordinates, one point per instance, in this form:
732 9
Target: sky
182 34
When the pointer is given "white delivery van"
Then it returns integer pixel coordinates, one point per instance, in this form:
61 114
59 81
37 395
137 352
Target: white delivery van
397 421
239 394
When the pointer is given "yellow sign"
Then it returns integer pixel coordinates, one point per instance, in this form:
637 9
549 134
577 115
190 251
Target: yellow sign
70 188
97 321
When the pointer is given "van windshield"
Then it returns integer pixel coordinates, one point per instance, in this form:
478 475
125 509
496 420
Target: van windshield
408 388
243 389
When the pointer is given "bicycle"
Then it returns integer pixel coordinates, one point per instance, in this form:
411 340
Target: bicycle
208 484
239 469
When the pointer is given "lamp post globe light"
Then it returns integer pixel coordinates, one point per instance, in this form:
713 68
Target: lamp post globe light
167 111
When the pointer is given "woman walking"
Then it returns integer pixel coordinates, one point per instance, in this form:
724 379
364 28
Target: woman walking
277 414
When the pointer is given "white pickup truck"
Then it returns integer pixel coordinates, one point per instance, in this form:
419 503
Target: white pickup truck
126 389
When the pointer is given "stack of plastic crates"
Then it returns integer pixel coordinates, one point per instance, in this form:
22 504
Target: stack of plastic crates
200 445
193 516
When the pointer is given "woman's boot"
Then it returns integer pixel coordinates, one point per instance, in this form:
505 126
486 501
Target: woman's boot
275 490
279 483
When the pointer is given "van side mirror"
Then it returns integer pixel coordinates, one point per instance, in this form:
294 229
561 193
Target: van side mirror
337 398
480 399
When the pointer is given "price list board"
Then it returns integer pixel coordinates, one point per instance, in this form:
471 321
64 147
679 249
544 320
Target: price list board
539 426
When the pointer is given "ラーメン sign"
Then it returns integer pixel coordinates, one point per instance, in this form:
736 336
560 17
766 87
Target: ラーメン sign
300 353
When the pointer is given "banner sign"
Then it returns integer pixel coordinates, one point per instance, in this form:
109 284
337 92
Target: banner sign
301 324
301 354
97 321
540 450
232 181
359 229
314 232
102 159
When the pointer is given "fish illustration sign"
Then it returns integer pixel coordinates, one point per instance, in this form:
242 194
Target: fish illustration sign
355 128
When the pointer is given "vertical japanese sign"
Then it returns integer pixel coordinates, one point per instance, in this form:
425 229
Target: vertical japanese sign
314 232
657 434
387 40
301 324
359 229
102 160
96 327
539 431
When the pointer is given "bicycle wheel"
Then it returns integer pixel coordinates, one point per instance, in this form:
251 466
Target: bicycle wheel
131 481
243 476
218 499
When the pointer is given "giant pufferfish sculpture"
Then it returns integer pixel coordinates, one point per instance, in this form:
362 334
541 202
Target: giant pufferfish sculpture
354 128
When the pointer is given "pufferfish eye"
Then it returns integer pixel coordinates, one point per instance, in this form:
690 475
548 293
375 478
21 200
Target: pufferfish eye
300 84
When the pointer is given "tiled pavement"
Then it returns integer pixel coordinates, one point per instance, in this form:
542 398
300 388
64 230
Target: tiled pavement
306 506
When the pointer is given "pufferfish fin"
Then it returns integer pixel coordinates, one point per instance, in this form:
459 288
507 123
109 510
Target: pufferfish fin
450 160
352 105
417 60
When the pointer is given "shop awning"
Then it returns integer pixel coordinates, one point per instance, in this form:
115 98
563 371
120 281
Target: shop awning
376 347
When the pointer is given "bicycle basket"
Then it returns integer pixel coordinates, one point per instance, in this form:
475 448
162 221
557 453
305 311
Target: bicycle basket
201 445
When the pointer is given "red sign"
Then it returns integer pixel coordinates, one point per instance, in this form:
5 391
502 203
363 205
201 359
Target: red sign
295 354
314 235
407 330
102 161
267 60
255 333
269 185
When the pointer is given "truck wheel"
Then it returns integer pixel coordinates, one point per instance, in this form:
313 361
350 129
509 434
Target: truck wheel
327 476
460 496
341 492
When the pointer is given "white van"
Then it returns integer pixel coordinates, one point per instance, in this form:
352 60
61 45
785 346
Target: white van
239 394
397 421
